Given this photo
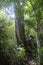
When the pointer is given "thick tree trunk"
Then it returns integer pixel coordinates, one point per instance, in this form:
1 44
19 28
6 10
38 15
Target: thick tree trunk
20 33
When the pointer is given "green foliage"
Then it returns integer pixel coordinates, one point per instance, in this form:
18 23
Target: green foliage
30 12
7 43
21 52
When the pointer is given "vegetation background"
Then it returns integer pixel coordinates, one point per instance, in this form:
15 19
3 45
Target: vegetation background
28 13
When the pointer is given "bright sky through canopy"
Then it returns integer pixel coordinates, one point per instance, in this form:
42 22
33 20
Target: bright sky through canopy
10 10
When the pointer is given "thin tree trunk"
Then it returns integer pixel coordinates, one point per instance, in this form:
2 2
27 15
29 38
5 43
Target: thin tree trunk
38 48
37 32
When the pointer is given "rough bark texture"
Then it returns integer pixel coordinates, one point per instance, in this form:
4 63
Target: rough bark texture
20 33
